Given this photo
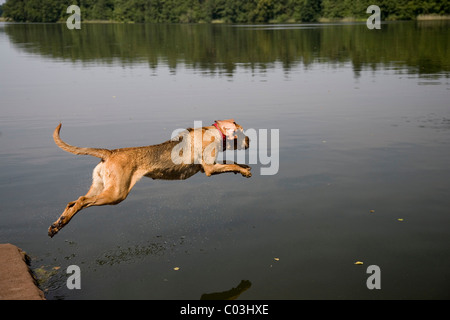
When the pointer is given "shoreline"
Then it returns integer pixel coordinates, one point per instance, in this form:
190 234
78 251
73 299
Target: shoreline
429 17
421 17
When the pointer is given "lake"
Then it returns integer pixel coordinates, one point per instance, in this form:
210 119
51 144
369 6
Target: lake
361 164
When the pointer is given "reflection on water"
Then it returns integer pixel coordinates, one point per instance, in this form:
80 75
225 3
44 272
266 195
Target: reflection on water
231 294
419 46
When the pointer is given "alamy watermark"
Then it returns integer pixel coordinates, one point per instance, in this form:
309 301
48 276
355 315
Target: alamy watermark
74 280
374 280
263 148
74 20
374 21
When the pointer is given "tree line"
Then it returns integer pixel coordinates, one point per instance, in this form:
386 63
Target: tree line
227 11
221 50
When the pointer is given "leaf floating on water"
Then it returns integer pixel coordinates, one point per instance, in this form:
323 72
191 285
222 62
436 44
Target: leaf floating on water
372 211
359 262
276 259
176 268
400 219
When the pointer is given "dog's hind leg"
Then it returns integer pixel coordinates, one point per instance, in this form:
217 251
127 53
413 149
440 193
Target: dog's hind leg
97 195
104 198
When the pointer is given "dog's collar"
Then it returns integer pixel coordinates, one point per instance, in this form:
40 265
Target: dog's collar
224 138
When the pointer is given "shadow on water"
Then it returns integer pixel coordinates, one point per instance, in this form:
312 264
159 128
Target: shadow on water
220 49
231 294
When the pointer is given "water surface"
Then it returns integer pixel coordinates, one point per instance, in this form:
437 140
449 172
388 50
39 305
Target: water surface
364 124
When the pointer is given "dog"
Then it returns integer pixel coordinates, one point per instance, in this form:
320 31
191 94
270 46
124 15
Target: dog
179 158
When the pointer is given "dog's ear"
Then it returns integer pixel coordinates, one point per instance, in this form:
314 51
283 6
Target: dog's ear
223 121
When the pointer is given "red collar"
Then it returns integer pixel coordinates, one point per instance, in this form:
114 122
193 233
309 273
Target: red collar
224 138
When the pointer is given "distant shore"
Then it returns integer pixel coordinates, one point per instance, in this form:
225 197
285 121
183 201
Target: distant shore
432 17
421 17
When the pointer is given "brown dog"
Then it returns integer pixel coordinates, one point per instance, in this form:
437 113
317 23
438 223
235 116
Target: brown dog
193 150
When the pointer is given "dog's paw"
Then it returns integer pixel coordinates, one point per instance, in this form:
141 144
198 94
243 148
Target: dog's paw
52 230
55 227
246 172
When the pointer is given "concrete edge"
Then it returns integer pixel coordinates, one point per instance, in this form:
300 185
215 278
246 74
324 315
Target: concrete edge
16 279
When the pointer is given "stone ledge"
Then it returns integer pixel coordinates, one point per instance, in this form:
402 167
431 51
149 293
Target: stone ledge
16 280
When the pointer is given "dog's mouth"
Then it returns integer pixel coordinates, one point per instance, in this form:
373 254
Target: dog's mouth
246 142
234 140
238 143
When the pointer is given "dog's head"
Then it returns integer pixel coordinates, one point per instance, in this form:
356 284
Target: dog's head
234 134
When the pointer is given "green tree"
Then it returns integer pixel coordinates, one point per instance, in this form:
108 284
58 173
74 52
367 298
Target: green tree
103 9
14 10
307 10
232 11
333 9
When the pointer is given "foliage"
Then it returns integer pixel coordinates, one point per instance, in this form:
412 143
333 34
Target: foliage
230 11
417 47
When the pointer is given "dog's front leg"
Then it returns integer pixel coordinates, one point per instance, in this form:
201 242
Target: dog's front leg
217 168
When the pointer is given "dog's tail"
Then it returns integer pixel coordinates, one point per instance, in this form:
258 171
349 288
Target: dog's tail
96 152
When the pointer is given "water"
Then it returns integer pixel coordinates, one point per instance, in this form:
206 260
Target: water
364 124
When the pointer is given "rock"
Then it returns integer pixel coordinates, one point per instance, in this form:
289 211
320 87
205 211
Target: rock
16 279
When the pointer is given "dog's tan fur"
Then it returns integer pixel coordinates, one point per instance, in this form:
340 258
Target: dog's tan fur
120 169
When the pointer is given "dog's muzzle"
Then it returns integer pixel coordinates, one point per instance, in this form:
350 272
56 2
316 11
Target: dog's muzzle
240 142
